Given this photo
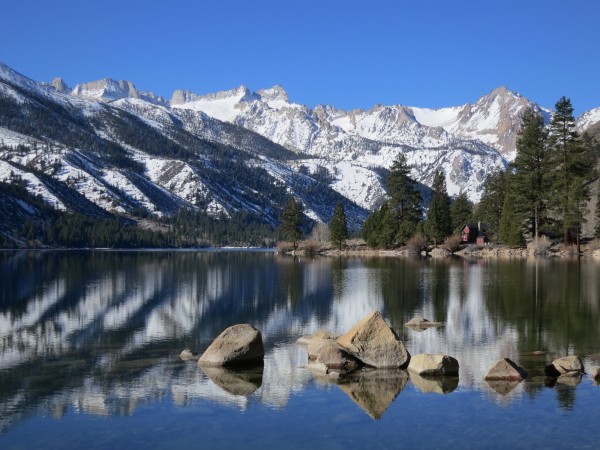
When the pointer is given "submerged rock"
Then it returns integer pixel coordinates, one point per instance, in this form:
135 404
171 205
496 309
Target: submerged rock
564 365
306 340
505 370
237 345
419 322
187 355
373 342
337 359
428 364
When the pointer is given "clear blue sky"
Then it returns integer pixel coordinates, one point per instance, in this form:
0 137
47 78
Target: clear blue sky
351 54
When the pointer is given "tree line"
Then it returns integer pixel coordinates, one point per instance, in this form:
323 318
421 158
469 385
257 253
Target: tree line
545 191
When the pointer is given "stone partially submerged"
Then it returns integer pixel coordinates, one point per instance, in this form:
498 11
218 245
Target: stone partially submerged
419 322
238 345
373 342
426 364
505 370
565 365
326 355
187 355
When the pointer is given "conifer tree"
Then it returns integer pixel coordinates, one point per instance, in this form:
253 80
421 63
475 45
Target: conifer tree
338 227
492 201
461 212
510 228
371 227
404 199
291 221
531 181
573 166
438 224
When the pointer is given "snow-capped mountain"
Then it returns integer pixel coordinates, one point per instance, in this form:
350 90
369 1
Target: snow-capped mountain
109 89
588 119
119 149
125 156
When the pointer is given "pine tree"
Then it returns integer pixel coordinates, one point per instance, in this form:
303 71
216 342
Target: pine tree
338 227
291 221
371 227
510 225
461 212
531 181
404 199
492 201
572 162
438 224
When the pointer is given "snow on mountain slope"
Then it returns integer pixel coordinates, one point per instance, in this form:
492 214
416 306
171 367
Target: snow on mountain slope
437 117
587 119
365 141
180 178
270 132
220 105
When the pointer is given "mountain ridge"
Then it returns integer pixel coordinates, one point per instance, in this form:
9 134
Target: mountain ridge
128 151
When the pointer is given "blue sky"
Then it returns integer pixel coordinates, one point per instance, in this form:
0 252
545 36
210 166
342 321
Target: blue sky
351 54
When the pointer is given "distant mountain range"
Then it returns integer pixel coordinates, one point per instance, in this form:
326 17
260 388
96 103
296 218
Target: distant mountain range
106 148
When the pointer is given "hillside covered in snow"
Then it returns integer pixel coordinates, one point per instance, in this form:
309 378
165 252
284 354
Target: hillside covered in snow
106 150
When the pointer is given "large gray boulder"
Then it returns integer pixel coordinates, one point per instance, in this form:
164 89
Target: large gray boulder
505 370
317 343
237 345
373 342
563 366
426 364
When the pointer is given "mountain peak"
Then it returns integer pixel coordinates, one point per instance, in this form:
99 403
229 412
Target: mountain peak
59 84
109 89
503 91
276 92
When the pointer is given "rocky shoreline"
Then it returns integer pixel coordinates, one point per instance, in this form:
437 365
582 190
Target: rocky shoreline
357 247
369 363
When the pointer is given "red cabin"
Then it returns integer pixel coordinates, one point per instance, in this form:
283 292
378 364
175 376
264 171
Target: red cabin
471 233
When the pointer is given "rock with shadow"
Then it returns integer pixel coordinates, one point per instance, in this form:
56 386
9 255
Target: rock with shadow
237 345
373 342
419 324
374 390
565 365
434 383
433 364
506 370
236 381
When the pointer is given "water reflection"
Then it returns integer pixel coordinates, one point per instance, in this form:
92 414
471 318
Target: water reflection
99 332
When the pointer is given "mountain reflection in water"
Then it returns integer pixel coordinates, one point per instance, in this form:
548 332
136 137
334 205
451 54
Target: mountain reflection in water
100 332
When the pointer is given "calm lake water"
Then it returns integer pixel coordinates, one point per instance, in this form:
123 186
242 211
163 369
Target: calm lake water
89 345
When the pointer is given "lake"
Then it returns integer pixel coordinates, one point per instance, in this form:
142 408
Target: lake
90 343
